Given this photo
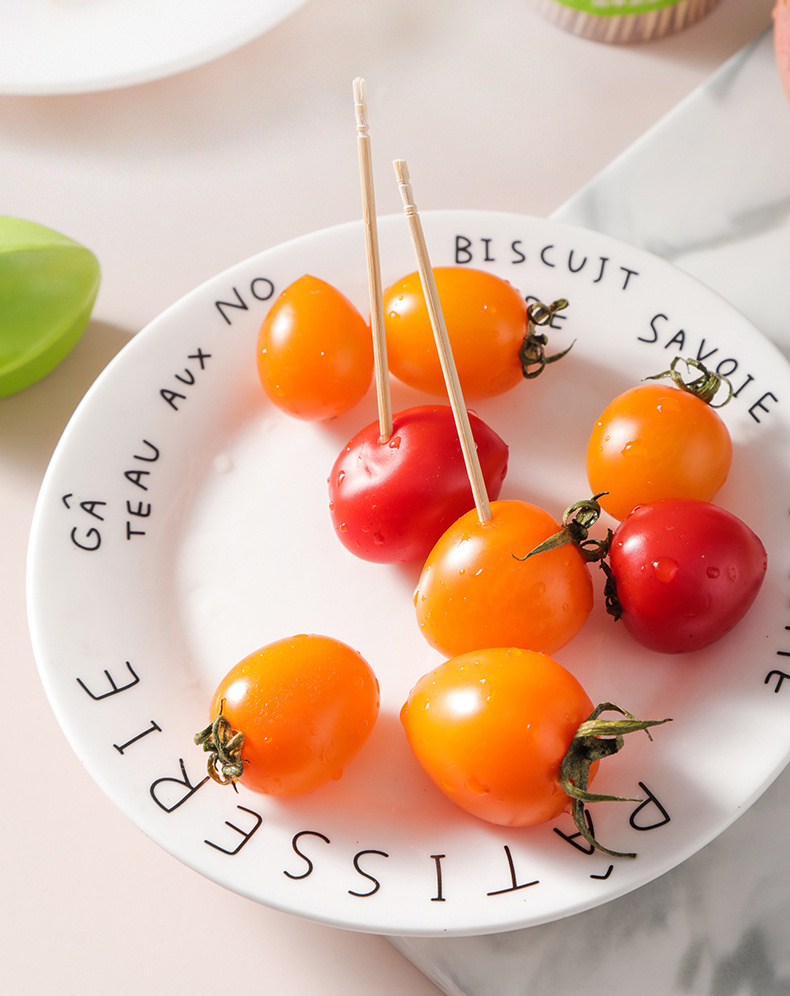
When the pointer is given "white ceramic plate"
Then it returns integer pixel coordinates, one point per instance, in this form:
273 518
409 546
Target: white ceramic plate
74 46
183 523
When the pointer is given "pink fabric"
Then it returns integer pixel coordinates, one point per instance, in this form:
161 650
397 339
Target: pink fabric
781 15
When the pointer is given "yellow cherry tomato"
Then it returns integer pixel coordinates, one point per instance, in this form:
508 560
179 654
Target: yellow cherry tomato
304 707
314 352
491 729
474 592
657 441
486 319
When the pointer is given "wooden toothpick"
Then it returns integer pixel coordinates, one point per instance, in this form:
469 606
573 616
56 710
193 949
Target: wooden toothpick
449 370
374 266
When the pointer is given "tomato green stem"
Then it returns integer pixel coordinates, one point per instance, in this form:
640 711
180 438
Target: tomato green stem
577 521
594 740
706 386
223 744
532 352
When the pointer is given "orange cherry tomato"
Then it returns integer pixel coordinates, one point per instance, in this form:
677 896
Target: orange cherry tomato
473 592
657 441
314 351
491 729
486 319
305 706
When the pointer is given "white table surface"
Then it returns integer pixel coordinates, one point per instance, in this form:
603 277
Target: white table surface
170 182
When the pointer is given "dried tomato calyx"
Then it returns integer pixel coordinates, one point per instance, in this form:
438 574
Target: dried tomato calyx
611 601
705 387
593 741
577 520
223 744
532 352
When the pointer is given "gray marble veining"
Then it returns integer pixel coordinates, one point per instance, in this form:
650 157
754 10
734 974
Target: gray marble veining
717 925
709 189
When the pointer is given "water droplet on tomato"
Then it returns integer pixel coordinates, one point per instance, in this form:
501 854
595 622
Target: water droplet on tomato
343 527
713 572
665 569
394 443
477 787
632 448
340 476
668 404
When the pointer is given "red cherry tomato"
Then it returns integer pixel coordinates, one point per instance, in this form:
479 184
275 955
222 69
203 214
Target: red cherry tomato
315 352
474 593
391 501
486 321
657 441
304 705
685 573
491 729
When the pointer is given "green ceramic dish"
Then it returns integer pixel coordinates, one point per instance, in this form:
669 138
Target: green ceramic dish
48 285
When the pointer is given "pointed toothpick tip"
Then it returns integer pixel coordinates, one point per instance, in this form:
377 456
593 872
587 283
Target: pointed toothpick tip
373 264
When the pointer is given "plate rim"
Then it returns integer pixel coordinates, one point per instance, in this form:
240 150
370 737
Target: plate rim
70 81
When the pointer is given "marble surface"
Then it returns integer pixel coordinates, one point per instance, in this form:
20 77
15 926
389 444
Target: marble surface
171 182
709 188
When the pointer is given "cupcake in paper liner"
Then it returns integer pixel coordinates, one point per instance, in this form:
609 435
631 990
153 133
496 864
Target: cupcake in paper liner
623 20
